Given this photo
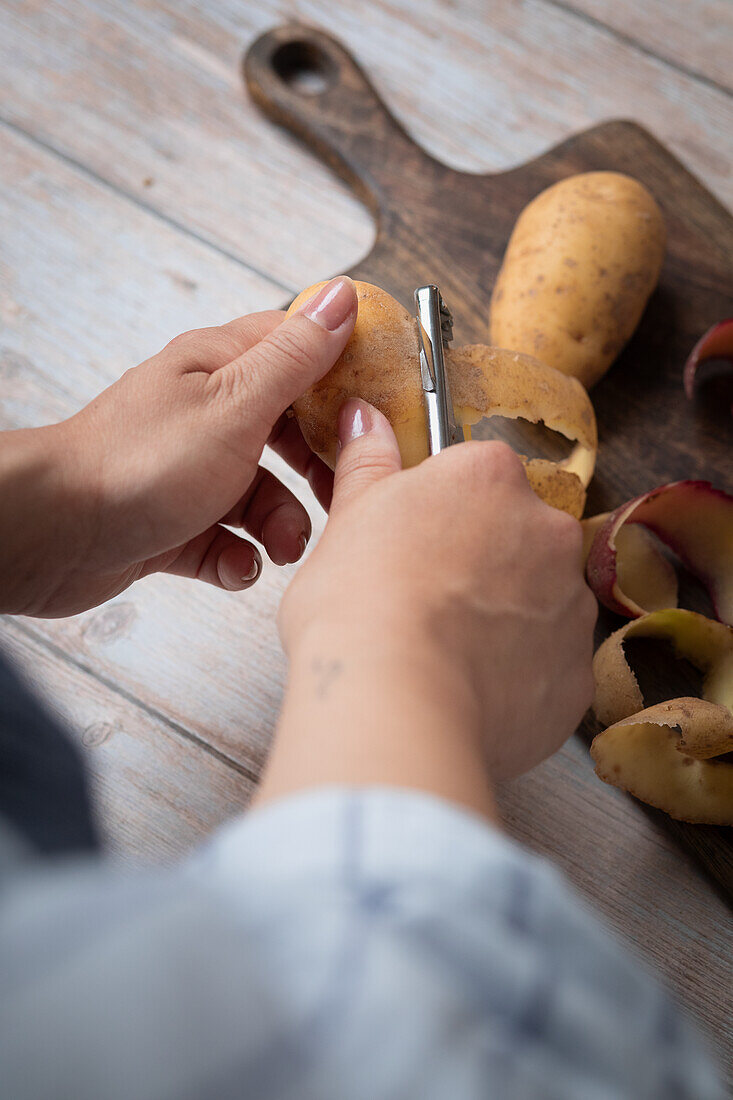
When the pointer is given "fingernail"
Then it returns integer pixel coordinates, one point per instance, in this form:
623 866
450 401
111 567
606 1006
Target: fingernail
302 543
355 419
334 304
252 573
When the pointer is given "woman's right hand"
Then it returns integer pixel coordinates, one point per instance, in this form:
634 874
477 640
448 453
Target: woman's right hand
451 586
460 556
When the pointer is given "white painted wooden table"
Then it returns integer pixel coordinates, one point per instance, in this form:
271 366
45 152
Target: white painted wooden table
140 195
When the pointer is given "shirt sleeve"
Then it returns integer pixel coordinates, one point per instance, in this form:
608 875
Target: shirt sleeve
365 944
44 795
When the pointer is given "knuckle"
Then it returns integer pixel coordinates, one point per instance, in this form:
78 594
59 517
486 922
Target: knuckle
483 460
188 341
502 461
358 470
229 387
294 350
567 532
502 457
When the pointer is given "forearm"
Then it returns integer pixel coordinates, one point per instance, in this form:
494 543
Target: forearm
386 709
42 536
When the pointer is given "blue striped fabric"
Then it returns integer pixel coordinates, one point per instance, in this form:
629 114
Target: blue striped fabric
354 945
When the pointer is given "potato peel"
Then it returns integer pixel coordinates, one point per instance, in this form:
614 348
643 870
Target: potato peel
666 754
489 382
694 520
555 485
717 343
380 364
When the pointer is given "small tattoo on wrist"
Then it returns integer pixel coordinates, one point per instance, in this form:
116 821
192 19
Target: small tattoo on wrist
326 672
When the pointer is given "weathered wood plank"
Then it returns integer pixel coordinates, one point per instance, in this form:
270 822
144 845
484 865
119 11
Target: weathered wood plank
150 97
642 883
409 193
74 315
696 35
91 284
156 792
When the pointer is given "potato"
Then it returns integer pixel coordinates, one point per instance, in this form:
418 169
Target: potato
380 364
580 265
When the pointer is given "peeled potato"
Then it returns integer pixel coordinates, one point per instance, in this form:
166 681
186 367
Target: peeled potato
580 265
380 364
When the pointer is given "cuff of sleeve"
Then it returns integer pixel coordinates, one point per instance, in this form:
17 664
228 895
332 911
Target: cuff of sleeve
371 834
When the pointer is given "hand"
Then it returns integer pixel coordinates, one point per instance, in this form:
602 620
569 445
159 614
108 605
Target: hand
443 614
143 478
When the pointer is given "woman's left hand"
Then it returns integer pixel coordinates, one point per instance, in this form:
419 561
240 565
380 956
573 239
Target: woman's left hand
144 478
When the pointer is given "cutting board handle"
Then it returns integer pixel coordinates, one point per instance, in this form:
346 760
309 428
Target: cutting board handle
307 81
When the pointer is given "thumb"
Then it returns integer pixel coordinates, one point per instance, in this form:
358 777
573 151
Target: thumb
297 353
368 451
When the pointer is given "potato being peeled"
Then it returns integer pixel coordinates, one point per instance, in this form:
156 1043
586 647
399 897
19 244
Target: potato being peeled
580 265
380 364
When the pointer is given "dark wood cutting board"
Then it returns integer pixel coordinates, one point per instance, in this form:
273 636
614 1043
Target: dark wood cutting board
435 224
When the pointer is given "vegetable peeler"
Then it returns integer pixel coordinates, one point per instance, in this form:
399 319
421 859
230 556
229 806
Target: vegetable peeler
435 331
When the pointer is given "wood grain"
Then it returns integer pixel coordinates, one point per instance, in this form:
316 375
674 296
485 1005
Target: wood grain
435 224
695 37
89 285
645 887
156 792
149 98
69 243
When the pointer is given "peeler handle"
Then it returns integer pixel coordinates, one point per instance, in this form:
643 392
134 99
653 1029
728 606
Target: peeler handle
308 82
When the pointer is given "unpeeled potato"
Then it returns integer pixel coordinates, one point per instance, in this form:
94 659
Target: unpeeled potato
380 364
580 265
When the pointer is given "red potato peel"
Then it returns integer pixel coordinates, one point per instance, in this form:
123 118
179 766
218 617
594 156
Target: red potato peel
694 520
668 755
717 343
644 574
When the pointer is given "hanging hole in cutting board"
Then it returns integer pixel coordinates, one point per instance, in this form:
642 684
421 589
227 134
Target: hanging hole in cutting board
304 67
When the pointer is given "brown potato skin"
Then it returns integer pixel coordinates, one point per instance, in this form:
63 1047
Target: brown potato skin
380 364
580 265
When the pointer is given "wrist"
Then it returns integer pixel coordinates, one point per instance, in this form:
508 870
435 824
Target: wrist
42 513
387 706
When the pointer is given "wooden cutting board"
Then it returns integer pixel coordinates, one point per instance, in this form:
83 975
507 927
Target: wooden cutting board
435 224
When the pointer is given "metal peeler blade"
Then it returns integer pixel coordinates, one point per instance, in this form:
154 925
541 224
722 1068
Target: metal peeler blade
435 331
